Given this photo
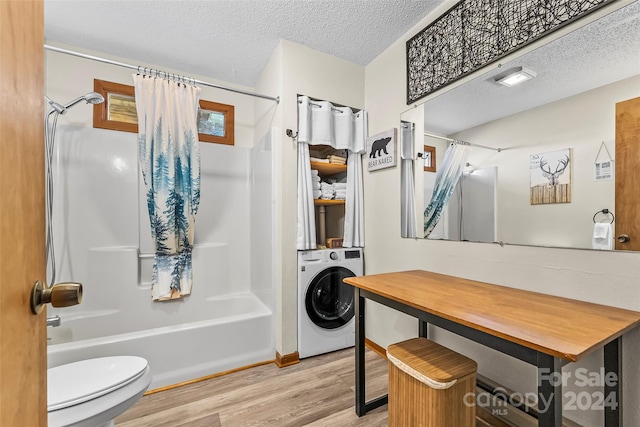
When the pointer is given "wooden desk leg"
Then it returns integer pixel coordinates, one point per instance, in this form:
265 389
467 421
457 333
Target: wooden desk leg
360 334
549 391
423 329
612 383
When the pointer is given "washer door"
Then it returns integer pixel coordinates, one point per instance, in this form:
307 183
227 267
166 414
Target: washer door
329 301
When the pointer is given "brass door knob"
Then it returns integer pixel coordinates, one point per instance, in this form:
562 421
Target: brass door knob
58 295
624 238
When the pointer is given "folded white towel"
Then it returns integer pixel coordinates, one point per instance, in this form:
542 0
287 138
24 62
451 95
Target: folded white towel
340 186
317 194
315 178
314 172
602 236
327 191
326 185
315 185
315 159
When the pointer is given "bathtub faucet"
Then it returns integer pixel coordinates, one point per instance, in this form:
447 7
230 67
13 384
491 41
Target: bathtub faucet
54 321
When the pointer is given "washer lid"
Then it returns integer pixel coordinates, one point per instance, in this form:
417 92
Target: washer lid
78 382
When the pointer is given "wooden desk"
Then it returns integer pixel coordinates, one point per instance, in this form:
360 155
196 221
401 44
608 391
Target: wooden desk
543 330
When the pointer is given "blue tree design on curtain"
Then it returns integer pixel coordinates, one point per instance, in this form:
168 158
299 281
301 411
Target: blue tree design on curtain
446 179
170 163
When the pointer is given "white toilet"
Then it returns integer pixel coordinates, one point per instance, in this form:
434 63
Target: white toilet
93 392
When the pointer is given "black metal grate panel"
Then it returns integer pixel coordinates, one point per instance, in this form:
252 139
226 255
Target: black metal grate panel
474 33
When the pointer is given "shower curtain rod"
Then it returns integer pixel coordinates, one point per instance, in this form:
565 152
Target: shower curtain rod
138 68
454 141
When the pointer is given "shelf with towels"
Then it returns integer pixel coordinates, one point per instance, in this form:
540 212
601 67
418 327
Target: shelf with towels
326 169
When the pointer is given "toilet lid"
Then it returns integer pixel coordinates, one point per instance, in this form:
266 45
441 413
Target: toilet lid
78 382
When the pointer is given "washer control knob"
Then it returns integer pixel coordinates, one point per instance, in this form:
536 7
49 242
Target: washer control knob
333 255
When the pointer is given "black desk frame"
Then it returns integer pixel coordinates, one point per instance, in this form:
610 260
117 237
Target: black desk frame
545 363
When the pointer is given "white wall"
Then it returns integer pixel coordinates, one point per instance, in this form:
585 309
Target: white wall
267 117
605 278
303 71
581 123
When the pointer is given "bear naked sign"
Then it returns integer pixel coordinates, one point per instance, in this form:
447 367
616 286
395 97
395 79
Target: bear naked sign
381 149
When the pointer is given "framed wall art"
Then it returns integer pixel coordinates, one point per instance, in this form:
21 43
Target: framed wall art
381 149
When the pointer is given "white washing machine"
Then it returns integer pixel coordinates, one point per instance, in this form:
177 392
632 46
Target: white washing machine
325 303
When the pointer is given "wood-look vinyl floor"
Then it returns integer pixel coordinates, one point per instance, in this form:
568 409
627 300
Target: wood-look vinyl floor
318 392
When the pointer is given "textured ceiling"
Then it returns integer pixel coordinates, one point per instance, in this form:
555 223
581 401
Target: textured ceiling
602 52
230 40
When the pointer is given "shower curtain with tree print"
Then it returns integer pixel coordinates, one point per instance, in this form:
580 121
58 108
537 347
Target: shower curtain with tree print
170 163
447 177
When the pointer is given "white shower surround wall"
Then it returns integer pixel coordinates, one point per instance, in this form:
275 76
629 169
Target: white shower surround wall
102 238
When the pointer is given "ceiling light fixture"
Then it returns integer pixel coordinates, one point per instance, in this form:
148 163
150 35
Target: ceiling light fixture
515 77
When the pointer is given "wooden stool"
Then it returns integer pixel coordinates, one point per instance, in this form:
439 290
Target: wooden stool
430 385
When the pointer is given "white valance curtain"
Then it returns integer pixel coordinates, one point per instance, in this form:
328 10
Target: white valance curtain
407 196
320 122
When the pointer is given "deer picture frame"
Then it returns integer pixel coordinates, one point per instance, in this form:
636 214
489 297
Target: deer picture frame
550 177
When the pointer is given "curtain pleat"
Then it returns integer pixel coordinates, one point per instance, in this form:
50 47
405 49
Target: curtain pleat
354 204
407 196
447 177
306 210
170 163
320 122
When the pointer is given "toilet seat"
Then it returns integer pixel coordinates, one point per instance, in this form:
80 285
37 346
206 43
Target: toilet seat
79 382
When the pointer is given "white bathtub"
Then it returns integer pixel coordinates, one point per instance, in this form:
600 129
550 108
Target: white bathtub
238 331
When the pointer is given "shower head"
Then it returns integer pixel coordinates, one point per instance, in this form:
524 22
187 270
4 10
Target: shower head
89 98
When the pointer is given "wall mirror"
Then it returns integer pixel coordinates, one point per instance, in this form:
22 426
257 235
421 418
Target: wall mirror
573 128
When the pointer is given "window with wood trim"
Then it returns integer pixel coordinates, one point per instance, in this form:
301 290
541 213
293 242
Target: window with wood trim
118 112
429 158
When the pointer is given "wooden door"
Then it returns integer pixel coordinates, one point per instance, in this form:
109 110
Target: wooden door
23 368
628 173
